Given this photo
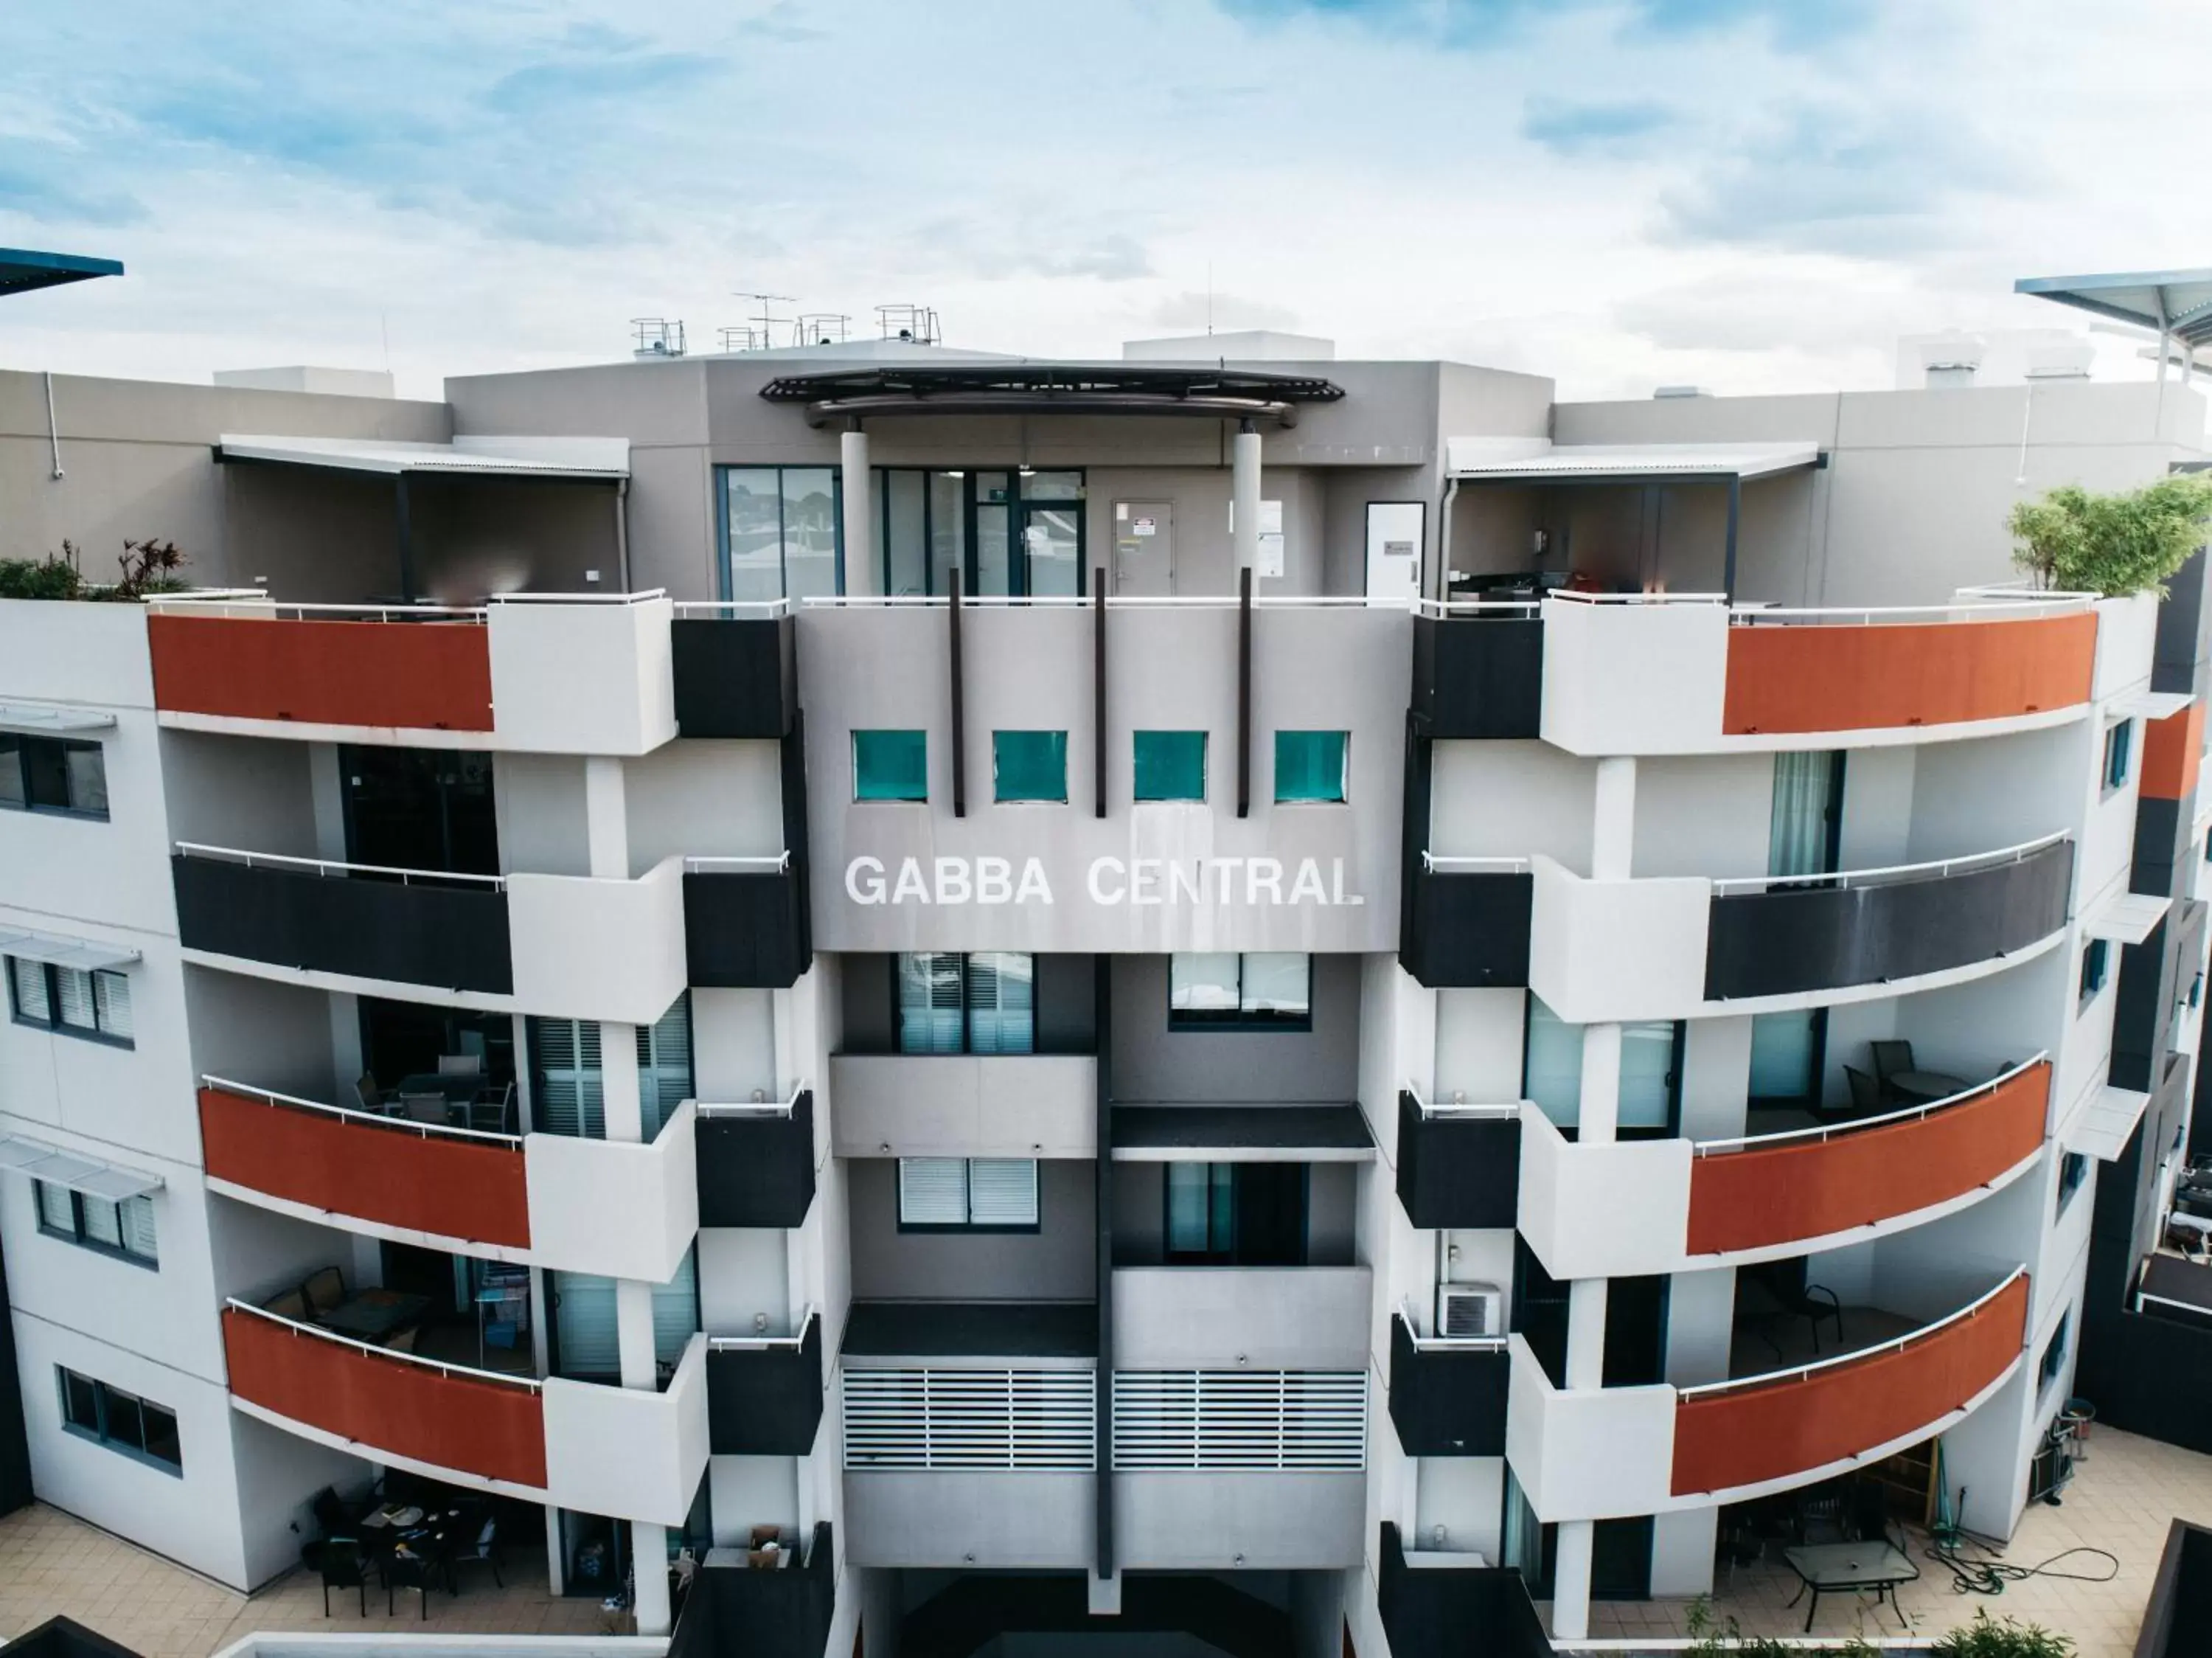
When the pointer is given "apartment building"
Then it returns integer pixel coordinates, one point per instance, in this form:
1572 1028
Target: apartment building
1309 998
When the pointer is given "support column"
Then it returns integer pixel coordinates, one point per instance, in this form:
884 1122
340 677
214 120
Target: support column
1244 496
862 577
606 818
1612 821
648 1567
1571 1580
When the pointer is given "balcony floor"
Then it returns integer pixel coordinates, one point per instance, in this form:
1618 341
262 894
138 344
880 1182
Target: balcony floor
52 1563
1783 1343
2123 1499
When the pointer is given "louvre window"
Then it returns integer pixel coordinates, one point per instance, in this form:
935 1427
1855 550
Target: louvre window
585 1335
52 774
984 1002
1170 766
1029 766
1035 1420
977 1194
123 1422
890 765
1261 990
72 1001
570 1086
124 1228
1309 766
1237 1421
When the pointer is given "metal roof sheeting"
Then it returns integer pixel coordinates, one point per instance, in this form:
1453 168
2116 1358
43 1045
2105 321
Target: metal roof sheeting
22 269
60 950
1534 460
2177 302
589 458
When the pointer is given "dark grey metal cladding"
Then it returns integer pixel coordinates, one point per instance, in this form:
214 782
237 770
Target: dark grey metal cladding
1458 1171
1811 937
761 1614
413 932
1479 676
1447 1404
757 1170
1432 1612
1466 927
765 1401
742 929
736 676
2164 841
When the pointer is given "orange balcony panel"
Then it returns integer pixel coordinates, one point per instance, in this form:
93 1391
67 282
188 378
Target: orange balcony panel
491 1428
474 1190
1805 1189
433 676
1841 678
2171 747
1725 1442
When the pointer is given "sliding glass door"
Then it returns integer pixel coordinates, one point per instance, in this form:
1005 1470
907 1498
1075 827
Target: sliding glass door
1010 534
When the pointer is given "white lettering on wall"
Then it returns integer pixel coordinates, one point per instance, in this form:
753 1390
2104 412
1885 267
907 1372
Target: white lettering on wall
1109 881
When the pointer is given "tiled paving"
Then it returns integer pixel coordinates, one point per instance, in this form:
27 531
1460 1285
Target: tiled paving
2123 1499
52 1563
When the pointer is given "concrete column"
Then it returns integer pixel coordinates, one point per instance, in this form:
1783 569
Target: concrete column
1244 496
862 577
326 791
1571 1581
606 818
1682 1544
1586 1299
1613 827
620 1093
1600 1109
648 1556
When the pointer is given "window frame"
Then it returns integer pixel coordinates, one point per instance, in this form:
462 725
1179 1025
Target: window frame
1343 796
2051 1365
100 1433
24 742
853 738
968 1227
967 1007
2096 972
2118 752
53 1024
2073 1175
999 796
1194 1020
1137 770
725 577
82 1237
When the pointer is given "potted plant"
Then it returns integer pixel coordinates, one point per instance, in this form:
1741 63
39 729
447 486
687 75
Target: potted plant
2114 545
148 566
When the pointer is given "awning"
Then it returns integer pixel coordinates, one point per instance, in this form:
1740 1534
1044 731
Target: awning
2126 917
1021 386
2176 302
57 1168
1240 1134
60 950
22 269
52 716
2104 1128
2152 705
1533 461
591 459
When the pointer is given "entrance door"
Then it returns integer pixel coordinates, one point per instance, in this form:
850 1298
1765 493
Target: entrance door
1393 550
1053 539
1144 548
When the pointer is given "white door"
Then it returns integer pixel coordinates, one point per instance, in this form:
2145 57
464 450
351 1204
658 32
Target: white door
1144 548
1393 550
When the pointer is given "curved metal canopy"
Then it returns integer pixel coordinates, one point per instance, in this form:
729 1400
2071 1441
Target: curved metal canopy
2174 302
22 269
1088 388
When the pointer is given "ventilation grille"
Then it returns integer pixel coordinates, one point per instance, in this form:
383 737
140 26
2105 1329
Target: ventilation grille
1039 1420
1293 1421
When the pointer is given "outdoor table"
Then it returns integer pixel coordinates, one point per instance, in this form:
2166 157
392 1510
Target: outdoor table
374 1315
1922 1086
1829 1568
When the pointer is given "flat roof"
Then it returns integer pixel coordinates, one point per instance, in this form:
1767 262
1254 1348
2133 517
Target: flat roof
606 459
1535 460
2177 302
22 269
1024 385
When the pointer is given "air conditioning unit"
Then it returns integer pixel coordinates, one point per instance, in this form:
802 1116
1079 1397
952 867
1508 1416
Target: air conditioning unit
1470 1309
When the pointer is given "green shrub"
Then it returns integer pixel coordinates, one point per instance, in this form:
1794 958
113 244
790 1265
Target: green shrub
2114 545
1986 1637
147 566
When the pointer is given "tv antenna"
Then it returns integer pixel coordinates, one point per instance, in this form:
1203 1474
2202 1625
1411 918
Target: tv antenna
767 317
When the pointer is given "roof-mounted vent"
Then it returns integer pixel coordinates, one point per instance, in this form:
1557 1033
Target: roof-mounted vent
1682 390
1950 359
910 324
2070 362
655 337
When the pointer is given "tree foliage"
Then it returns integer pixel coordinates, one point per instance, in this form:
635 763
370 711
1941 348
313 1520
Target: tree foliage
145 567
2114 545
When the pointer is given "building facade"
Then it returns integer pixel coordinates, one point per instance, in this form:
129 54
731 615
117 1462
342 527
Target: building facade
1295 995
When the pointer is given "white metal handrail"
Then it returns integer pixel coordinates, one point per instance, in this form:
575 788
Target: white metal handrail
377 1119
1446 1343
1574 596
776 864
1892 873
791 1343
765 607
1114 601
783 1107
527 1383
1447 864
1823 1131
1477 607
1453 1108
1894 1345
325 866
1878 615
2002 591
474 613
644 595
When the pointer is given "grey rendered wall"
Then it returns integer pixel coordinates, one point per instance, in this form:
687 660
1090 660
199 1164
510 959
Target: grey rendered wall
1152 1062
241 792
1055 1263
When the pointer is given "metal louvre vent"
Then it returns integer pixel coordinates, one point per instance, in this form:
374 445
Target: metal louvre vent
1040 1420
1290 1420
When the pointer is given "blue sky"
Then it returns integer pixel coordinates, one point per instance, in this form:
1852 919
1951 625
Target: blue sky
1751 194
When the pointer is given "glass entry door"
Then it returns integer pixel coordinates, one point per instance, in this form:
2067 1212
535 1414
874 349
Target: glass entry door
1051 538
1010 534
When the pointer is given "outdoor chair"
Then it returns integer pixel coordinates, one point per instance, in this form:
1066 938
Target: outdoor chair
342 1566
324 1289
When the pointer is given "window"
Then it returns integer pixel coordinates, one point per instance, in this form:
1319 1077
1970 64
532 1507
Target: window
568 1084
52 774
1006 534
1264 990
971 1194
2054 1353
1170 766
1650 1070
70 1001
585 1340
1201 1210
1786 1054
780 530
2095 956
1028 765
2073 1169
2118 740
1235 1215
125 1228
890 765
122 1421
985 1002
1309 766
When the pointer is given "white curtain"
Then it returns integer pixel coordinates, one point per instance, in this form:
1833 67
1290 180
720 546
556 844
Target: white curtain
1797 841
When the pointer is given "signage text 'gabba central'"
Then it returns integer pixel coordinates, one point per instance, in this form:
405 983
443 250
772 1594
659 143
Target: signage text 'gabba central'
1110 881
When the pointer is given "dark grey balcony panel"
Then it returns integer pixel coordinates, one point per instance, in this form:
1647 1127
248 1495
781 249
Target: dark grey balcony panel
1322 1132
1466 928
952 1329
1799 938
415 932
1456 1171
745 929
736 676
731 1609
757 1170
1447 1403
1430 1611
1479 676
765 1401
2164 840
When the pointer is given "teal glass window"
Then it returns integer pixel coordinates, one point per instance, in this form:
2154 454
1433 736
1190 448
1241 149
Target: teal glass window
890 765
1170 765
2119 740
1309 766
1028 765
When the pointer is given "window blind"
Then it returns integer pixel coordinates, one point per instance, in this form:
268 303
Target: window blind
74 987
111 998
1001 1002
1002 1191
932 1191
30 979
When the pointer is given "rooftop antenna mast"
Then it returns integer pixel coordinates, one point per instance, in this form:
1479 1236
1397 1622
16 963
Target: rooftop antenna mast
767 317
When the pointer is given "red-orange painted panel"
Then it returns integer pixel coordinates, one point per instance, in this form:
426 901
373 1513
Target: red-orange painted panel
1724 1442
1804 1189
413 675
2171 748
469 1189
1845 678
386 1404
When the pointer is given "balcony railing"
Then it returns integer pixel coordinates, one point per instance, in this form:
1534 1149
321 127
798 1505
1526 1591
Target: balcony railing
1263 1318
1465 922
1478 668
1447 1393
954 1104
1458 1165
757 1161
764 1393
735 668
744 922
